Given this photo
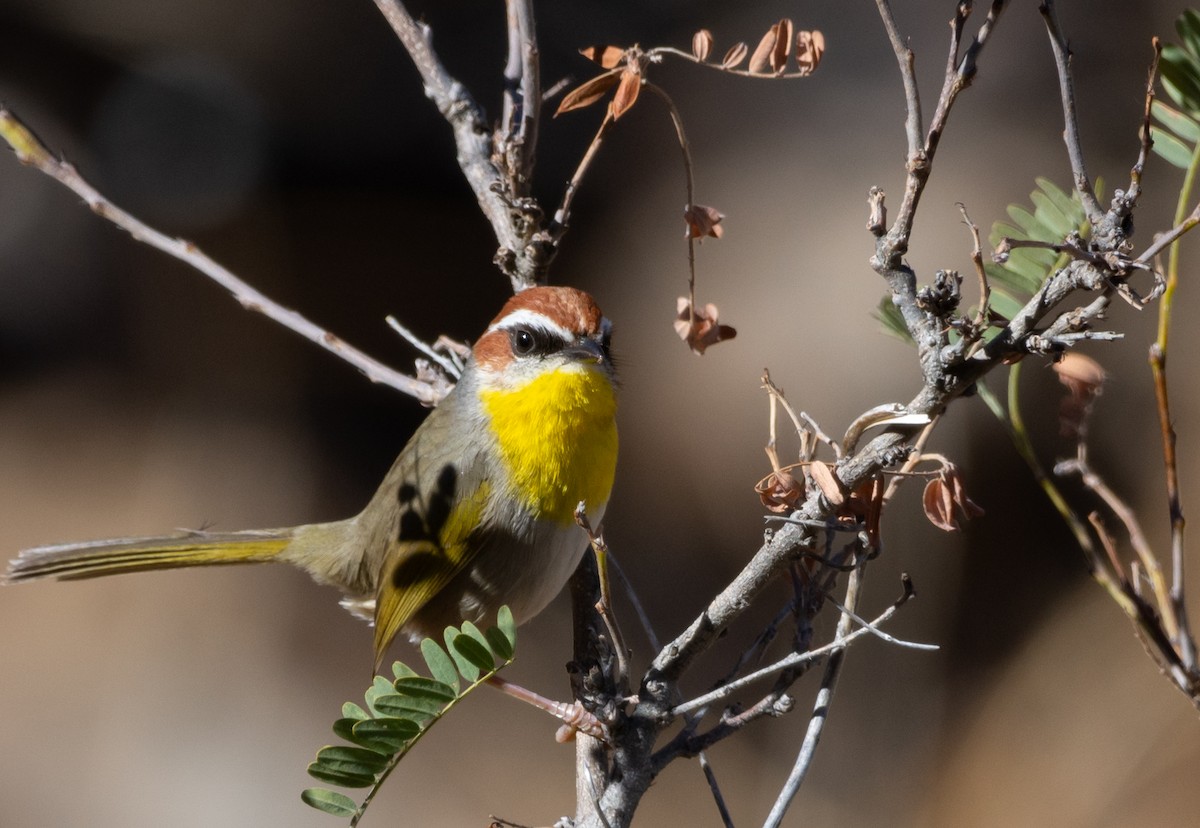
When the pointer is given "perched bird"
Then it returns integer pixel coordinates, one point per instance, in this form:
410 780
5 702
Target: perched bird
476 512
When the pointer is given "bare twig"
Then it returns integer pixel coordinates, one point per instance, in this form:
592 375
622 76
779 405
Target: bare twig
914 127
523 255
985 288
689 178
1163 240
726 818
522 96
32 152
1062 59
794 659
816 724
412 339
562 216
1135 173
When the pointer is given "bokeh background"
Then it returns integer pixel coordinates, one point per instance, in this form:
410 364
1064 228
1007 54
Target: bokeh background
292 142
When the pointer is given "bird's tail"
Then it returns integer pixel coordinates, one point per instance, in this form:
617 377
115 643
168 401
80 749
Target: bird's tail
91 559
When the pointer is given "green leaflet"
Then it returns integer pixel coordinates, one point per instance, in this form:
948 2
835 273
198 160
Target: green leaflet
399 712
331 802
1177 131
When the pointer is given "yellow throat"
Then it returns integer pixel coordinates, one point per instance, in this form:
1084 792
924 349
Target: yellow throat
557 434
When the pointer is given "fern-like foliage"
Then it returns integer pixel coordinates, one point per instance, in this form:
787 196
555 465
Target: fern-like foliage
1055 215
1177 133
400 711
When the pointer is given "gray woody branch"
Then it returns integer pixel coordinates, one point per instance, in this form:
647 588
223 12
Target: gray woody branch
497 166
948 370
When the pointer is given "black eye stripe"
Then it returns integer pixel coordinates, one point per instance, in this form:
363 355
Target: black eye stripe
531 340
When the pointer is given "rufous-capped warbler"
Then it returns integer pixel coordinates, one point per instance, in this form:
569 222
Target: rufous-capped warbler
476 512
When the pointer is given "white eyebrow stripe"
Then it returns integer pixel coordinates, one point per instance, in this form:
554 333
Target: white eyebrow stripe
524 316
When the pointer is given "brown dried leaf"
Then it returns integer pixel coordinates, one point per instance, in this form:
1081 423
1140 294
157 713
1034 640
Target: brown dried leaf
1084 380
944 495
607 56
1081 374
587 93
810 46
627 93
702 221
967 508
702 43
938 505
827 482
760 61
783 45
700 328
735 55
779 491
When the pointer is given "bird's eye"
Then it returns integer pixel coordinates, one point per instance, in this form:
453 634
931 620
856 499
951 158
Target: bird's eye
523 341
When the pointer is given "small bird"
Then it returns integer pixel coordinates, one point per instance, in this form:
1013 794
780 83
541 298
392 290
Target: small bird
478 511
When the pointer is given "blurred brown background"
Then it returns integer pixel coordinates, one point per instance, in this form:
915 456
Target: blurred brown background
292 142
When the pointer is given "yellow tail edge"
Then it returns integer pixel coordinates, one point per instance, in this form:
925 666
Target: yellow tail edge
92 559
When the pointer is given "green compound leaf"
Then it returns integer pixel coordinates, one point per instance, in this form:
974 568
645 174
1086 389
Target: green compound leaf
331 802
400 712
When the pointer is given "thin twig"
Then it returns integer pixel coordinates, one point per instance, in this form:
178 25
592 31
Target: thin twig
726 819
1163 240
525 264
412 339
1062 60
914 127
1137 538
793 659
878 633
562 216
985 288
816 724
32 152
1135 173
522 95
689 178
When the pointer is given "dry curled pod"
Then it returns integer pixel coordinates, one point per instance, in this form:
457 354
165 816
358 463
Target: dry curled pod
735 55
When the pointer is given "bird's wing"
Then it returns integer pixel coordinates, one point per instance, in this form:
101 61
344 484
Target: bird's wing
441 498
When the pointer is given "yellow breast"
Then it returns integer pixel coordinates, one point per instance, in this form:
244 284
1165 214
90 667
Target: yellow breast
558 437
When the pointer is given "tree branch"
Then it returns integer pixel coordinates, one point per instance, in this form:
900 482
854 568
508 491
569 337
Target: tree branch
1062 60
32 152
525 253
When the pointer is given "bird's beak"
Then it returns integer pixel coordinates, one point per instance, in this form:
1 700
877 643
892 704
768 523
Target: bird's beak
587 350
